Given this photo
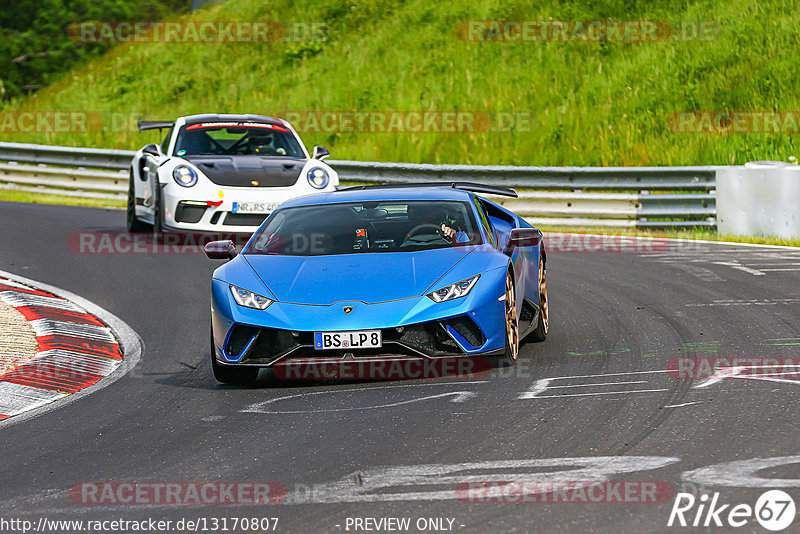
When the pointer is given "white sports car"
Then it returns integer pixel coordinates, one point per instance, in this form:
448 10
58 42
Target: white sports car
221 173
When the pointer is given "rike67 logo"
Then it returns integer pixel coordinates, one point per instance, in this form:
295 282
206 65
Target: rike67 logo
774 510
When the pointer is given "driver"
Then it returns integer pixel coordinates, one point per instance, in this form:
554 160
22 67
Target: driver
430 213
261 144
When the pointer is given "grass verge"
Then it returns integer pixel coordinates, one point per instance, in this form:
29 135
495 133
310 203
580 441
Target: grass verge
12 195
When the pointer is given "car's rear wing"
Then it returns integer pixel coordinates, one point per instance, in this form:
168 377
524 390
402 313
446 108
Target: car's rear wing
464 186
154 125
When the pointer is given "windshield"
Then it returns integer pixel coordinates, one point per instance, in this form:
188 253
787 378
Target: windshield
359 227
237 139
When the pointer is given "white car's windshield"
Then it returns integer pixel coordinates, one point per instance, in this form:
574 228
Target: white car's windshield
236 139
359 227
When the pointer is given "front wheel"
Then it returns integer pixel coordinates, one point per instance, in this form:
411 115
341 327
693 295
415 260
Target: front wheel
158 215
240 376
132 222
540 333
511 354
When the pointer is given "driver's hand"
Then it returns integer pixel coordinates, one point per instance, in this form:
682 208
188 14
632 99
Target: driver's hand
448 232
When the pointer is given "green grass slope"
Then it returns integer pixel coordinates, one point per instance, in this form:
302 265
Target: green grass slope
589 103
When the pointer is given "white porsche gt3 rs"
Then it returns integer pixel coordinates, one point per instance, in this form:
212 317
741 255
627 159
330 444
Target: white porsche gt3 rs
221 173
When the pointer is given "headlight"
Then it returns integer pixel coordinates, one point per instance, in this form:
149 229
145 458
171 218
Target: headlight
455 291
184 175
248 299
318 178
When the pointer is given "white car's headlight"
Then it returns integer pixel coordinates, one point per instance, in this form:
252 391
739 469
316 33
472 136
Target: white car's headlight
318 178
184 176
454 291
248 299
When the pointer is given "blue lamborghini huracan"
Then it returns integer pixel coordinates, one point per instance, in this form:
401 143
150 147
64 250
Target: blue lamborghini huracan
424 271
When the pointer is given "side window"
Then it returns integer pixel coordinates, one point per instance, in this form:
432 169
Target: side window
485 221
165 144
501 222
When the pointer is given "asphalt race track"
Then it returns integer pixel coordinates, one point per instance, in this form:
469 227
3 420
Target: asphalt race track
597 388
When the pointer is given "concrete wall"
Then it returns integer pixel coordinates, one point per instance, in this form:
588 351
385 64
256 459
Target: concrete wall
761 198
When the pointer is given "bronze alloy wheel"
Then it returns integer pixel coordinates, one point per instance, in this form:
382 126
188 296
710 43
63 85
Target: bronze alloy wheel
543 308
512 325
543 323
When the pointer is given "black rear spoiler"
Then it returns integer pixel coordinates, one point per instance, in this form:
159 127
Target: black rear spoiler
154 125
464 186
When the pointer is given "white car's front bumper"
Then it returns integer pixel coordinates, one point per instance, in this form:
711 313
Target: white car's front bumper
207 209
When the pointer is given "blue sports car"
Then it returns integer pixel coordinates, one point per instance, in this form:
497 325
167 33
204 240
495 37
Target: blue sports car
425 272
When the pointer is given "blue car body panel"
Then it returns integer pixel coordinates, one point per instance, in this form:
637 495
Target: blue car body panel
386 290
322 280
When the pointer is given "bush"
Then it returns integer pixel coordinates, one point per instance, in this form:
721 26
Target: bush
34 45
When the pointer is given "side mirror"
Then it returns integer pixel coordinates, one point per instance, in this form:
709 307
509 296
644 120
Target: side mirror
523 237
320 153
152 150
220 250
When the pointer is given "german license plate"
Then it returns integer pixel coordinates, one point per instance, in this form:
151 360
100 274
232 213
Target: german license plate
362 339
253 207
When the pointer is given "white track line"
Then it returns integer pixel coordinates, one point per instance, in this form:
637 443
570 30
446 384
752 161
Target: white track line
681 405
50 327
601 384
600 393
75 362
16 299
739 267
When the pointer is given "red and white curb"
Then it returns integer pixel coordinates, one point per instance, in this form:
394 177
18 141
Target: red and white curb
81 347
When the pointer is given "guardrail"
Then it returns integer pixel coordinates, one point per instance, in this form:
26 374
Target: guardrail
565 196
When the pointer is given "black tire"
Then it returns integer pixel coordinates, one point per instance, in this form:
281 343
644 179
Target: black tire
158 212
540 332
239 376
133 224
511 354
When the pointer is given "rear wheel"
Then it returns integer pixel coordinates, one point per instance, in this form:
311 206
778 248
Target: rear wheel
241 376
132 222
512 323
540 333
